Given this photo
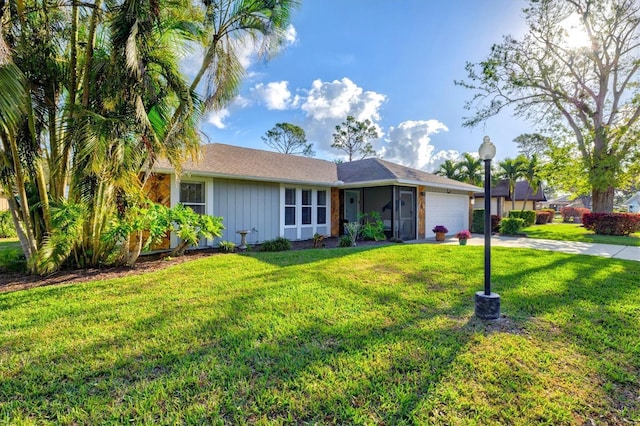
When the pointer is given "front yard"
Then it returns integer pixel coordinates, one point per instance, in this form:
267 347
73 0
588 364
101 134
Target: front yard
351 336
575 232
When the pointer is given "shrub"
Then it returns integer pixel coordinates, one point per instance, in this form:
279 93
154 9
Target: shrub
573 213
511 225
529 216
345 241
477 224
612 223
227 246
317 240
279 244
7 230
353 230
191 227
372 227
543 217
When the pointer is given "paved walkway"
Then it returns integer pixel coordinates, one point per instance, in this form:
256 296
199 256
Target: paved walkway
573 247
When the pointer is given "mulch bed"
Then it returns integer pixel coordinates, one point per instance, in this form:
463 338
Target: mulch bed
14 281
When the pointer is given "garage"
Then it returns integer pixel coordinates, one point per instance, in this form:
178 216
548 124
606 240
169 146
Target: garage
450 210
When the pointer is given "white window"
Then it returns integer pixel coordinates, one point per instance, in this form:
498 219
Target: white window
289 206
321 207
304 212
192 196
306 207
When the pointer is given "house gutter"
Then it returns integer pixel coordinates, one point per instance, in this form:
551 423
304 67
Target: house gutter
335 184
190 173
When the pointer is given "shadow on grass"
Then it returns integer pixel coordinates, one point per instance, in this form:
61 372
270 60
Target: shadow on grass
249 361
356 352
300 257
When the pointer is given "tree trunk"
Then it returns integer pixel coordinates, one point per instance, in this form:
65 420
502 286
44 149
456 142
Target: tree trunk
23 237
602 200
133 255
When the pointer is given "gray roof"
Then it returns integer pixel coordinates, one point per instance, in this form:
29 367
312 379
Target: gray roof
522 191
254 164
376 170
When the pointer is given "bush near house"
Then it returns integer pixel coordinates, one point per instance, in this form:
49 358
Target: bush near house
372 227
573 213
7 229
511 225
477 224
279 244
544 216
529 216
612 223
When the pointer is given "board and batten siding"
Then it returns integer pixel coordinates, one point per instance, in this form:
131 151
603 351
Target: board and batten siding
247 205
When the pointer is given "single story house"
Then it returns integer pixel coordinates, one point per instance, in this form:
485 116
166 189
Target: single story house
275 195
501 198
563 201
633 203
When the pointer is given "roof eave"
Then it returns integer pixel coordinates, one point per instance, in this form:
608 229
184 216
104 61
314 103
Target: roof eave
407 182
246 177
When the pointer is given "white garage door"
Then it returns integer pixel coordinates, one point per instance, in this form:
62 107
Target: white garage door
450 210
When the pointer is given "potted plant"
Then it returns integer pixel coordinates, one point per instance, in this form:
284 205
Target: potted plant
440 232
463 236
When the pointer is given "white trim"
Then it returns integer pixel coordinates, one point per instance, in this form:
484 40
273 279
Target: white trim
337 184
299 226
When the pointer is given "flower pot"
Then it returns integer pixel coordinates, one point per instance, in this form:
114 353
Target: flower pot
462 242
440 236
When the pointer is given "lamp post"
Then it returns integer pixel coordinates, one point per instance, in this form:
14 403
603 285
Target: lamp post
487 303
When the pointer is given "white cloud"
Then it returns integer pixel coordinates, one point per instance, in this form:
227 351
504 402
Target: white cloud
291 35
339 98
217 118
410 144
327 104
275 95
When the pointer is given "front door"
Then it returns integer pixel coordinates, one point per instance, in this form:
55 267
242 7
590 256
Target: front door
407 216
351 205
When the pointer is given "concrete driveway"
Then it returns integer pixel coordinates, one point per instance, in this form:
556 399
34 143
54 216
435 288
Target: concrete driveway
572 247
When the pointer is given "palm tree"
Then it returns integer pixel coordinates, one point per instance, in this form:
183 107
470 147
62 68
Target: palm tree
511 170
471 169
530 174
81 116
449 169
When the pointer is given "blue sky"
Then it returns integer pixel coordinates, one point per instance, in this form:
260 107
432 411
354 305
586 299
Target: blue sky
391 61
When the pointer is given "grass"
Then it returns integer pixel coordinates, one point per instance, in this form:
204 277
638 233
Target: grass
575 232
347 336
11 257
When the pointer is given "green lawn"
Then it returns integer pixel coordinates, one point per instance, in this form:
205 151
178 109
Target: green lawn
351 336
571 232
11 257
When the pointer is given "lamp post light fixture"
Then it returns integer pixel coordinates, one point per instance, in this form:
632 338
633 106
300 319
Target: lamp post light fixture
487 303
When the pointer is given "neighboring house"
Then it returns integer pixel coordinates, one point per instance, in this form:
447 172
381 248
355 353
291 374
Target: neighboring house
278 195
501 199
633 203
4 203
566 201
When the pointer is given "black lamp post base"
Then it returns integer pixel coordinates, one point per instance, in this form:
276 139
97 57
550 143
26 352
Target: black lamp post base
487 307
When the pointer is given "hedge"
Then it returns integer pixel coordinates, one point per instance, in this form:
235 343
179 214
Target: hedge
544 216
612 223
511 225
573 212
477 224
7 230
529 216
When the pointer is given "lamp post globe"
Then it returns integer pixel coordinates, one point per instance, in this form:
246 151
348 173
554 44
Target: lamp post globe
487 304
